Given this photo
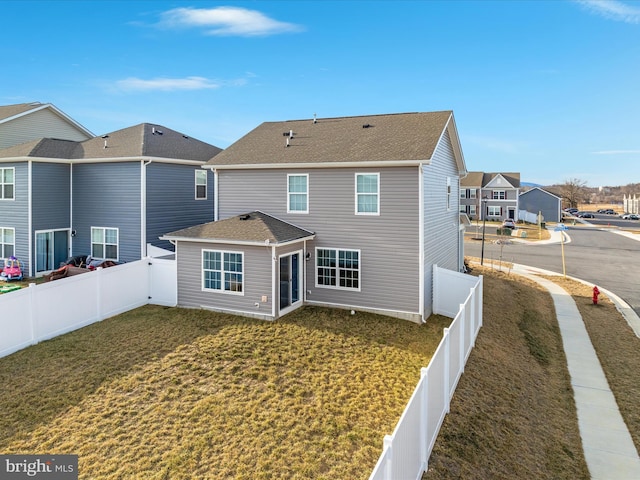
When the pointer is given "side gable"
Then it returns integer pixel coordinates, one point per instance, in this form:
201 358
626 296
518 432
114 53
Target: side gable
25 122
504 180
542 191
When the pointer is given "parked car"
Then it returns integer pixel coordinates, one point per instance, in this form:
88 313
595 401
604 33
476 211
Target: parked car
509 223
586 215
629 216
572 211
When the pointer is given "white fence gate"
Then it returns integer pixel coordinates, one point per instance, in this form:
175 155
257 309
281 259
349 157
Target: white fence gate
406 451
44 311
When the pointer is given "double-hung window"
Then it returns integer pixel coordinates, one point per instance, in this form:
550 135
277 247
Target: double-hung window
223 271
104 243
298 193
7 242
367 194
499 195
336 268
201 184
494 211
7 183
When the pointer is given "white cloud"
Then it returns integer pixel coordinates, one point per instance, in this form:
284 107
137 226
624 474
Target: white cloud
166 84
227 21
613 10
616 152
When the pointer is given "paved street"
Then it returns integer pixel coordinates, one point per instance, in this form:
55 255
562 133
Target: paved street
601 257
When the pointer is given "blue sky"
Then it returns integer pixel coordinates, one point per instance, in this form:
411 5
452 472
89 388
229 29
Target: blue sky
550 89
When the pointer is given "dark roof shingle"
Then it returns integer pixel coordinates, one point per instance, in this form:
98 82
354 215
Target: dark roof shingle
399 137
255 227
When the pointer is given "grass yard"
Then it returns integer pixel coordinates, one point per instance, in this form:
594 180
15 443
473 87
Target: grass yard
167 393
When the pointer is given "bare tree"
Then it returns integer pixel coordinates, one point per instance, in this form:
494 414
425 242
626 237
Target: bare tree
573 191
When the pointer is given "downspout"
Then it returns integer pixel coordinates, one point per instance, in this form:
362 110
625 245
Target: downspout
29 219
143 208
216 197
421 234
70 208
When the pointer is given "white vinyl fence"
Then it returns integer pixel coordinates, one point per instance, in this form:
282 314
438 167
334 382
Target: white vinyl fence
44 311
406 451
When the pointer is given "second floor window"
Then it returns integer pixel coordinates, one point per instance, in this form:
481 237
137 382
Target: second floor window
7 183
201 184
298 193
104 243
499 195
368 193
7 242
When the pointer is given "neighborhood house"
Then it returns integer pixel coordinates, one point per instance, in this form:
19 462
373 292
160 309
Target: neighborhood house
350 212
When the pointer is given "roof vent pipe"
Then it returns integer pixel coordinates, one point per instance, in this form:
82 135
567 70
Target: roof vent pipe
315 120
105 144
290 133
287 141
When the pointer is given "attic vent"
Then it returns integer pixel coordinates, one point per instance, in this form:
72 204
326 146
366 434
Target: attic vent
184 136
245 217
289 134
155 131
366 125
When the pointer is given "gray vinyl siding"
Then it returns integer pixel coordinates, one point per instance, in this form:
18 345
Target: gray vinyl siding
51 197
388 243
41 124
258 279
537 200
171 203
15 213
108 195
441 225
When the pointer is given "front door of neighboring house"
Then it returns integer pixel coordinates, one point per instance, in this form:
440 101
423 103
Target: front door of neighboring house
512 213
290 281
52 247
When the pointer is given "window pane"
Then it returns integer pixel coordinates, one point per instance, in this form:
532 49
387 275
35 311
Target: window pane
97 235
111 235
111 251
233 282
297 184
367 203
212 280
97 250
367 184
298 202
9 234
8 175
201 191
8 192
8 251
233 262
201 177
211 261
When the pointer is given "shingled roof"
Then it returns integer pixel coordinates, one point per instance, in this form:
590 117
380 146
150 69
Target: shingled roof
143 140
251 228
402 137
8 111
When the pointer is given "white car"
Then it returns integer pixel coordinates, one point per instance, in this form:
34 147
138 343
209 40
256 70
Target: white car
508 223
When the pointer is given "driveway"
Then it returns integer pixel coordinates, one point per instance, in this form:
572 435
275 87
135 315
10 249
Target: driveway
601 257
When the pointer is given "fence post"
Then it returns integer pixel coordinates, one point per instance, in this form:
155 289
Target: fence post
424 418
479 297
99 292
387 444
463 326
435 299
447 367
32 319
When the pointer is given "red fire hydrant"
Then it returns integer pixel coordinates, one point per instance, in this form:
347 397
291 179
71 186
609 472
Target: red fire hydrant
596 292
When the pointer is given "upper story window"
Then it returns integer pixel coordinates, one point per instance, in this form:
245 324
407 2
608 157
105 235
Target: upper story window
201 184
104 243
367 194
298 193
7 242
463 193
472 193
223 271
499 195
7 183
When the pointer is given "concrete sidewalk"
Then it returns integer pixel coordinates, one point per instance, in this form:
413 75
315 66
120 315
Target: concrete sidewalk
608 448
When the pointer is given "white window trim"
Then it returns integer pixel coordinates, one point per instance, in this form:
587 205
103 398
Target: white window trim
2 244
104 243
498 192
2 184
356 194
196 185
222 272
337 286
289 175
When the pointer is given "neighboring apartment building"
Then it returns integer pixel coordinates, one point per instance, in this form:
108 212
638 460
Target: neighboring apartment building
107 196
490 196
349 212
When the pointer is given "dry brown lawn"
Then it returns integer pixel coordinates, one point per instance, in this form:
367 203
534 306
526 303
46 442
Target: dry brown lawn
513 414
168 393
